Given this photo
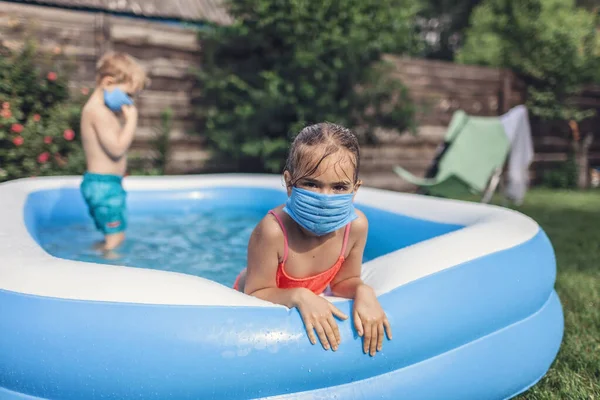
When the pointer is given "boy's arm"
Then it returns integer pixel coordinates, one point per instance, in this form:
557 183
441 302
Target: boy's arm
347 280
117 142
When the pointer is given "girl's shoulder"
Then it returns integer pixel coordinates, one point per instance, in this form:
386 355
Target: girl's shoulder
359 227
360 224
268 230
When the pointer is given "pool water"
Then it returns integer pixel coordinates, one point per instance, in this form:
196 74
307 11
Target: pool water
198 232
208 244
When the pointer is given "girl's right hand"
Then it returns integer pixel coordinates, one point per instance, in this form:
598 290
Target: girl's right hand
317 314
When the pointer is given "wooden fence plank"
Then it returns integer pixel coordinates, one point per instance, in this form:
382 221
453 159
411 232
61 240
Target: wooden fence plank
135 33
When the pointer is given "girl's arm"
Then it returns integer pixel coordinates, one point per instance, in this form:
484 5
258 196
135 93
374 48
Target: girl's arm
370 320
264 247
347 281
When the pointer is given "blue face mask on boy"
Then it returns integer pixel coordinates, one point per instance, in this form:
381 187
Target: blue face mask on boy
116 99
320 213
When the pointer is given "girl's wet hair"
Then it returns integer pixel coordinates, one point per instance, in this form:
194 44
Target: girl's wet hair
304 157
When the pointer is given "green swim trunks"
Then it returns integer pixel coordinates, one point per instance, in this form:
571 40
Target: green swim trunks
105 198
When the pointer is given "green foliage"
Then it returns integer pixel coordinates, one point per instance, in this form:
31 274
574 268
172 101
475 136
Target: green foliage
38 123
552 44
162 140
441 24
156 164
285 64
563 176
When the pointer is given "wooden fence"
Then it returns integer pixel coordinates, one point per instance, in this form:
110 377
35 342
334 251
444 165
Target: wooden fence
171 53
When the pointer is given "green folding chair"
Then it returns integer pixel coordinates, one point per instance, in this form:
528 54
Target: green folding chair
476 151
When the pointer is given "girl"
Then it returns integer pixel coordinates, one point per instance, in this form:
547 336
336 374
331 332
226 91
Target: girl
317 240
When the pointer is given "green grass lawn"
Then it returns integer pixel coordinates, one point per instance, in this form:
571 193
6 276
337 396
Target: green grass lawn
572 222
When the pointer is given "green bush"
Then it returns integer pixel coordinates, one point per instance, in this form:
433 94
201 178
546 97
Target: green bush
441 25
552 44
285 64
39 125
155 161
562 176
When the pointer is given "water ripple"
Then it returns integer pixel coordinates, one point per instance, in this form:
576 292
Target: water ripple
209 244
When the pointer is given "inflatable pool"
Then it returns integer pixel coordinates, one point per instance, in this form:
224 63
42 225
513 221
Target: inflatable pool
468 289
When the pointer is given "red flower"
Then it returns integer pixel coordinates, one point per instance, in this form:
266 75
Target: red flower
43 158
37 117
52 76
5 105
68 134
16 128
47 139
17 141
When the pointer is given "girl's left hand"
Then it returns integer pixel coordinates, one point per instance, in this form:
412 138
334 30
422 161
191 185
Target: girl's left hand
370 320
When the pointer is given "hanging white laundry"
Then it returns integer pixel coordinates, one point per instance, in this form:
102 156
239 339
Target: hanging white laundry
517 129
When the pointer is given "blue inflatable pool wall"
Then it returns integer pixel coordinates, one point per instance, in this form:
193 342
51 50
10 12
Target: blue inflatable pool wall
487 328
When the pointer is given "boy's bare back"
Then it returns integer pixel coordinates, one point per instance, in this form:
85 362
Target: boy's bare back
98 126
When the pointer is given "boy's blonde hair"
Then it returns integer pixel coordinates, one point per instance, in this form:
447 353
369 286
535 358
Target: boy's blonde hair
123 68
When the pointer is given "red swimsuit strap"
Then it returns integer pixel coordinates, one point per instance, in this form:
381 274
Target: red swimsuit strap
285 239
346 236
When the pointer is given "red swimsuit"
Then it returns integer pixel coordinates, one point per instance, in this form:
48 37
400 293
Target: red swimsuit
316 283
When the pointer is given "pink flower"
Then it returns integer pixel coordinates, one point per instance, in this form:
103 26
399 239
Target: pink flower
16 128
52 76
5 105
68 134
17 141
85 91
43 158
47 139
5 113
37 117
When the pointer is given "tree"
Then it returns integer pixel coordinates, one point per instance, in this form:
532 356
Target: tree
441 25
287 63
552 44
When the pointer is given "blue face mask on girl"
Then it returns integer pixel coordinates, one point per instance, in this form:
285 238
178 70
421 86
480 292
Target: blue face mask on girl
116 98
320 213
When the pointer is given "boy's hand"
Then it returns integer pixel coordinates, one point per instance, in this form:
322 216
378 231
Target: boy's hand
370 320
318 314
130 112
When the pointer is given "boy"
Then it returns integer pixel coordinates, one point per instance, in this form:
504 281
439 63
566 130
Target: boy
119 77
